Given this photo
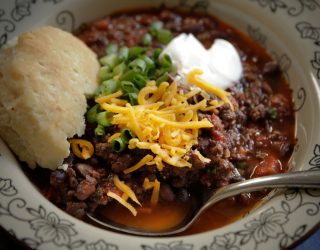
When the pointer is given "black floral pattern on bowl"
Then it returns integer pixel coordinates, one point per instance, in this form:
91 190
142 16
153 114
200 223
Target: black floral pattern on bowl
294 7
47 227
21 10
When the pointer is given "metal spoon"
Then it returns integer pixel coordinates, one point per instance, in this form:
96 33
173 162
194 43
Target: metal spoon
302 179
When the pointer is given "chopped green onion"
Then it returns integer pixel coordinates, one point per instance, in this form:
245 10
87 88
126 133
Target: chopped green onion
150 65
112 48
147 39
123 53
99 131
155 27
139 80
118 145
135 52
127 135
272 113
133 98
92 114
119 69
103 119
166 62
156 54
147 60
211 170
241 164
108 87
105 73
111 60
162 78
128 87
128 76
138 65
164 36
129 70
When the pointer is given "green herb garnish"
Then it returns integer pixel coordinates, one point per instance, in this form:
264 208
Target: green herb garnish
241 164
272 113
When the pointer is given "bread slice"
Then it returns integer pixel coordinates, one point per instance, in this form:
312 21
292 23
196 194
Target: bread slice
44 80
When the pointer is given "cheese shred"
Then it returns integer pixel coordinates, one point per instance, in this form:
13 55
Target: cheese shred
155 193
164 122
125 189
193 78
140 164
122 202
155 186
81 148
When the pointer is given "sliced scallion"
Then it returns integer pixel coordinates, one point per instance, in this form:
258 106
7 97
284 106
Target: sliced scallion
166 62
112 48
162 78
156 54
138 65
133 98
164 36
272 113
119 70
147 39
105 73
103 118
139 80
108 87
135 52
99 131
123 53
241 164
128 87
118 145
127 135
128 76
111 60
155 26
92 114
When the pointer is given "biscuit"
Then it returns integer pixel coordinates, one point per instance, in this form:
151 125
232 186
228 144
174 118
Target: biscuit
44 80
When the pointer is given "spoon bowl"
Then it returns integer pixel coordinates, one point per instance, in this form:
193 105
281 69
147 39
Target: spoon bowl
300 179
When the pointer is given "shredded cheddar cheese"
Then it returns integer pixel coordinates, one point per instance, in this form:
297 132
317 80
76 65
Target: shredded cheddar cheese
140 164
125 189
155 193
81 148
110 97
193 78
122 202
155 185
147 184
201 157
163 121
114 136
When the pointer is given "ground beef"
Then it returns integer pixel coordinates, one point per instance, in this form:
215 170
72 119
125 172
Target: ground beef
86 188
86 169
118 162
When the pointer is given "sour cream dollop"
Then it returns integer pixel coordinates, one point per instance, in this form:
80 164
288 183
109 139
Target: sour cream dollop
221 64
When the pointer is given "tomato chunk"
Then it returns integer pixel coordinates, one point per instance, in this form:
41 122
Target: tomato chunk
269 166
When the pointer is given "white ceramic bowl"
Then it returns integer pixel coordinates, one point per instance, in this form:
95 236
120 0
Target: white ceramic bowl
289 29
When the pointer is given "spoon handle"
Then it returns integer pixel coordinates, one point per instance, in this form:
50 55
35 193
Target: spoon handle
300 179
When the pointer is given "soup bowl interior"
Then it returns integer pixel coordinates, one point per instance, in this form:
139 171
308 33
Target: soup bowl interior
285 30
